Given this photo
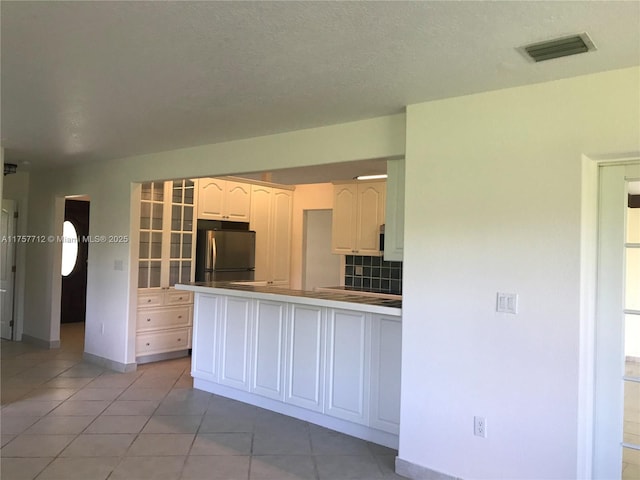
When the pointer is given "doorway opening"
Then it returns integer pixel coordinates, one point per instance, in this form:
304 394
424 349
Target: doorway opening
616 433
631 379
8 268
320 268
75 247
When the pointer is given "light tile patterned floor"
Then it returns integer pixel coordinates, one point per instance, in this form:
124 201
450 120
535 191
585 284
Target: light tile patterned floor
63 418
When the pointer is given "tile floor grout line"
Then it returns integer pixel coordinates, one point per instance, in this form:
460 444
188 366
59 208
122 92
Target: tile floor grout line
181 408
46 415
137 435
186 457
316 470
253 436
46 466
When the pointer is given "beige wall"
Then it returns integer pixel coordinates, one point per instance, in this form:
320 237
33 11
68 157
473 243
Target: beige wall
493 204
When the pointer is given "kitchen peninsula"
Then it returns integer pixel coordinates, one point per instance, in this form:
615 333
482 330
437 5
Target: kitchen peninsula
330 358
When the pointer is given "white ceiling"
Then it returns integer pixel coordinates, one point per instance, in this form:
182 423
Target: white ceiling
88 81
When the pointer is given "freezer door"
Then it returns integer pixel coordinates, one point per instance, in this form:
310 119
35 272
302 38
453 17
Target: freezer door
230 276
233 250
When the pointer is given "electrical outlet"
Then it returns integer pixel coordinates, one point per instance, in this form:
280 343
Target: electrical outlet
480 427
358 270
507 303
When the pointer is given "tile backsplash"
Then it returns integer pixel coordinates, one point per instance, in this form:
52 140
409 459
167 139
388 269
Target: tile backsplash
373 274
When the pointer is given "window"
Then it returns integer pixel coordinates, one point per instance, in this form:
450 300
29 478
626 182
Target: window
69 248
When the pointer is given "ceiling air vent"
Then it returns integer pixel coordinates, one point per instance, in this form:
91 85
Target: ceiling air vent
559 47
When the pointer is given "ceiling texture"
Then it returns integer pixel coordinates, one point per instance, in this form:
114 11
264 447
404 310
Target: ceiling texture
90 81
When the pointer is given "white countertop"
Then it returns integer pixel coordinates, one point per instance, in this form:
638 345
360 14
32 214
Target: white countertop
331 298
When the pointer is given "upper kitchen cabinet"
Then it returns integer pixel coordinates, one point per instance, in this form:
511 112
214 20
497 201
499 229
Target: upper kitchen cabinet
220 199
271 211
167 236
358 213
394 227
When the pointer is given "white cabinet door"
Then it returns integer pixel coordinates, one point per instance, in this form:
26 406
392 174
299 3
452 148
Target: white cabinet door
386 354
394 211
237 201
235 342
348 354
280 245
268 349
343 232
358 212
305 351
259 222
371 203
220 199
211 192
271 210
204 361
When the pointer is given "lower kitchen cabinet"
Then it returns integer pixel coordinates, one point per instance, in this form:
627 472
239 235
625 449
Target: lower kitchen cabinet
268 349
341 366
235 325
163 324
305 354
164 341
206 349
348 353
386 355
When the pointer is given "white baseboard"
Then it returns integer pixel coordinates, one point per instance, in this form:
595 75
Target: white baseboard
418 472
110 364
38 342
158 357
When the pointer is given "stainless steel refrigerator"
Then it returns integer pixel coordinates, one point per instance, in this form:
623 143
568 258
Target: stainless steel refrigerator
223 255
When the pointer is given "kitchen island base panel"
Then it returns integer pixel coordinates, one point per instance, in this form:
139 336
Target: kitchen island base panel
359 431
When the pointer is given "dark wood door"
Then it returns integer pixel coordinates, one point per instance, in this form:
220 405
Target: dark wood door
74 285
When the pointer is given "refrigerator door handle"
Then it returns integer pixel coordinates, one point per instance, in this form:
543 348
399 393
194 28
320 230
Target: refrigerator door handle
214 252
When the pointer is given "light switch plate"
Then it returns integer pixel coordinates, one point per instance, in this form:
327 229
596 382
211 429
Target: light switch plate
507 303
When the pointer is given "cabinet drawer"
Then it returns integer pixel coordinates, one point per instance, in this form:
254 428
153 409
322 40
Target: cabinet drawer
153 299
162 318
178 298
166 341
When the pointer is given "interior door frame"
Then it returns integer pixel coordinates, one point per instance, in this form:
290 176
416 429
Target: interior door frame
12 252
602 292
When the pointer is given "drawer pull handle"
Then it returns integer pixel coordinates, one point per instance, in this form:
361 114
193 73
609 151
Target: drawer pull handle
179 316
179 339
148 300
148 319
180 298
148 344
